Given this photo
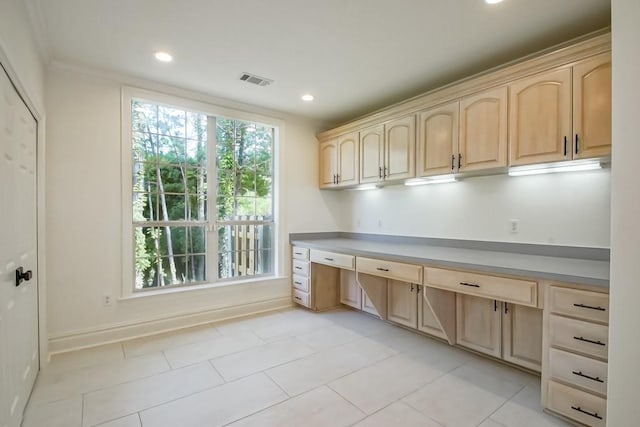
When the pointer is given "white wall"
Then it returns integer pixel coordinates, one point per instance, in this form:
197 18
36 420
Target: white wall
563 209
624 350
84 213
19 45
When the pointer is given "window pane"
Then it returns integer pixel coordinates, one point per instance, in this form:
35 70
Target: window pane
145 147
172 180
196 153
197 265
196 240
144 116
171 121
247 250
197 126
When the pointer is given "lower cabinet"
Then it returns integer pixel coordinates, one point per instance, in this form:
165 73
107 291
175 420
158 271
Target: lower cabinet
427 321
402 303
350 291
508 331
367 305
478 324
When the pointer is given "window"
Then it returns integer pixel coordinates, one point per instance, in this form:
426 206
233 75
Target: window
202 189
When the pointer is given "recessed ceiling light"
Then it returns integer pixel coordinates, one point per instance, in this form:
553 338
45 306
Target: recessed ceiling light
307 97
163 56
493 1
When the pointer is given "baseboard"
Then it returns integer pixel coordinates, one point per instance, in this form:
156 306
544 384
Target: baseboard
92 338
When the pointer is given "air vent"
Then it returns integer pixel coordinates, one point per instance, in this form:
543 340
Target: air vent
256 80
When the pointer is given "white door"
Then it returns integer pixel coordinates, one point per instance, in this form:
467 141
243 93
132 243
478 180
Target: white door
18 249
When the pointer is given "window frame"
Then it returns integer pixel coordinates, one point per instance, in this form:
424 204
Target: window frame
213 111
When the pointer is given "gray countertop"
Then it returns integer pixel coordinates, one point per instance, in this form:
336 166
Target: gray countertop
572 270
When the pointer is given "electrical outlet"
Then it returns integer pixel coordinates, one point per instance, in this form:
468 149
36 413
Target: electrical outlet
514 226
107 300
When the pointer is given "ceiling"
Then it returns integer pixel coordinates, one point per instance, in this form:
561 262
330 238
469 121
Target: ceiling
354 56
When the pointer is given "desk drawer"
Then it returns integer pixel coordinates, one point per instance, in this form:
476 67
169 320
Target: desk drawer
301 283
301 268
517 291
390 269
576 335
300 253
333 259
581 304
577 405
302 298
582 371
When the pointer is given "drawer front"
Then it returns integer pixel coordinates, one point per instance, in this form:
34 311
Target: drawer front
389 269
300 253
332 259
524 292
577 405
582 371
581 304
302 298
301 283
576 335
301 268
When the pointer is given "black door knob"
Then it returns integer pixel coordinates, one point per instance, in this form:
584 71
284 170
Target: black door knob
23 276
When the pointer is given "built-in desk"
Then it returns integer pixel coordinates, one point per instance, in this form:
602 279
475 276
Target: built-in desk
543 308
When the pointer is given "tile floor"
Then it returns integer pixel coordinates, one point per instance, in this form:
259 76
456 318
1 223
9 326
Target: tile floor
286 368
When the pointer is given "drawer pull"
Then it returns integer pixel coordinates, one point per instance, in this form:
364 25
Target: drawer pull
298 298
590 307
469 284
589 341
382 269
298 253
298 268
579 409
298 283
580 374
328 259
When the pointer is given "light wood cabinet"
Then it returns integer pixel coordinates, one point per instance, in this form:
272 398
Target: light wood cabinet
466 135
387 152
483 131
372 153
540 118
402 300
367 304
522 335
339 161
328 163
592 107
438 140
478 324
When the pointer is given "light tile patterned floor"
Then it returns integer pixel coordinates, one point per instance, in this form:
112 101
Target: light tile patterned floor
286 368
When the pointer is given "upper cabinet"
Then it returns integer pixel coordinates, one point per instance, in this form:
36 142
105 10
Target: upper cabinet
339 161
466 135
438 140
483 131
592 107
551 108
540 118
548 124
387 152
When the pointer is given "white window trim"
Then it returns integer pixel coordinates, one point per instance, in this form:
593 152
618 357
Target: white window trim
128 265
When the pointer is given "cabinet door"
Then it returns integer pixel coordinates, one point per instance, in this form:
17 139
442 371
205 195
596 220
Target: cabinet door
328 163
348 158
540 118
522 335
400 148
483 131
372 154
592 107
402 303
367 305
478 324
427 321
438 140
350 293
